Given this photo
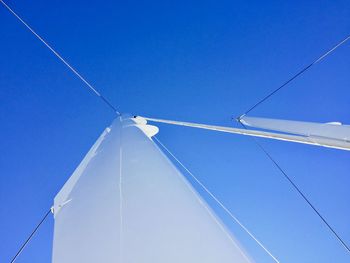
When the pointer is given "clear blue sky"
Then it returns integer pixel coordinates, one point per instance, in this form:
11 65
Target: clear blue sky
202 61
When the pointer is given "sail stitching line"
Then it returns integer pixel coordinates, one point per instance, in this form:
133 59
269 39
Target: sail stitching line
94 90
218 201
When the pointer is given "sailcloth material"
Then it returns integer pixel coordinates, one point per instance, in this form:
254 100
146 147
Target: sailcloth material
126 202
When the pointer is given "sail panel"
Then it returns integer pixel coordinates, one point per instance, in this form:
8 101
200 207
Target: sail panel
131 204
87 206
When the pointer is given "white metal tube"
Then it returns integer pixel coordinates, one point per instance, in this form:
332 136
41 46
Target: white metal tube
319 141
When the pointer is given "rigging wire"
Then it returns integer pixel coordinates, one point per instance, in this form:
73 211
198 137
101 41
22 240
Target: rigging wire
108 103
292 183
90 86
255 133
30 236
295 76
323 56
87 83
217 200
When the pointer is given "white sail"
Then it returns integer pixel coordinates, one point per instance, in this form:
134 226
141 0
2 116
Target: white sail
126 202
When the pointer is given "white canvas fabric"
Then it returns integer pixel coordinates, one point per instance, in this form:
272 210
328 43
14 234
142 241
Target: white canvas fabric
126 202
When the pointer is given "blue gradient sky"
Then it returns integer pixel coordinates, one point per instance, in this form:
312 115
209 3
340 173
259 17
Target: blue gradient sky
202 61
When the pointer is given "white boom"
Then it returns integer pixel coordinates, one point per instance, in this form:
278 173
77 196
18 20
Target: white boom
326 135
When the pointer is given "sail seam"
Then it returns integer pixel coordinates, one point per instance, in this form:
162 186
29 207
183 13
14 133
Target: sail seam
121 196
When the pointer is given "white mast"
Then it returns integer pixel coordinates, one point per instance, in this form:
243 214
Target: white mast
126 202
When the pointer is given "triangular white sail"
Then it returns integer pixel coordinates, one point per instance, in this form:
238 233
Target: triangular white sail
126 202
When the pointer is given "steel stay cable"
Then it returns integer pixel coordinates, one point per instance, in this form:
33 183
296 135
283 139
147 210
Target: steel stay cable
299 192
274 161
30 236
220 128
295 76
118 113
94 90
217 200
